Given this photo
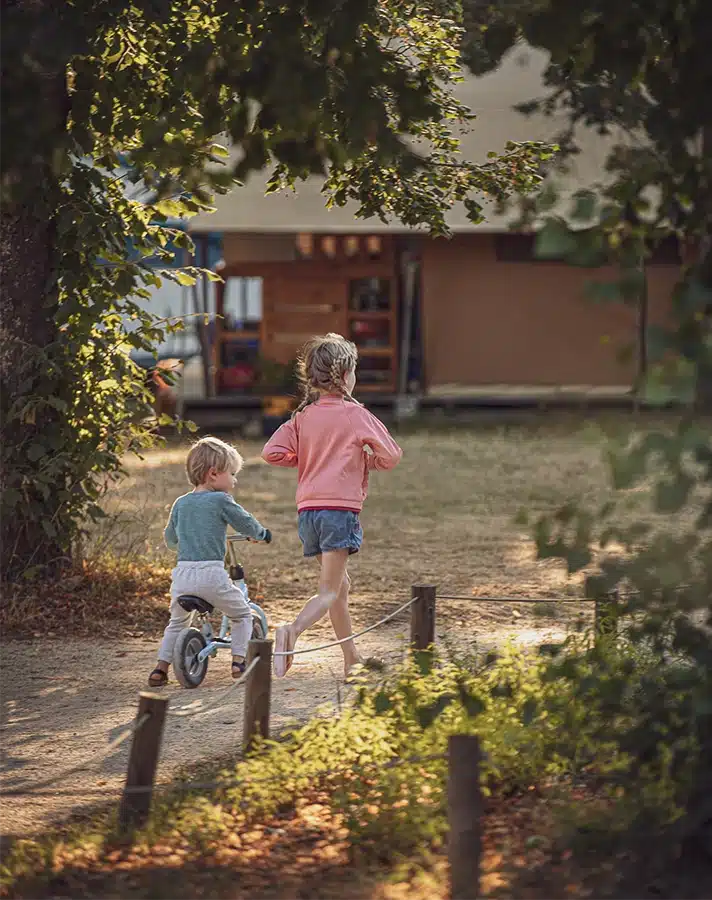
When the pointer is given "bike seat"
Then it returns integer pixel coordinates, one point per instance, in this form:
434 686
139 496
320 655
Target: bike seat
191 603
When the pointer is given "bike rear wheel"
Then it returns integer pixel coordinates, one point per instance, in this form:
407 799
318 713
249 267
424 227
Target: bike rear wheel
189 672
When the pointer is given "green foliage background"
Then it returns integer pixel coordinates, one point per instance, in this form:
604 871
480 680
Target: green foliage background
358 93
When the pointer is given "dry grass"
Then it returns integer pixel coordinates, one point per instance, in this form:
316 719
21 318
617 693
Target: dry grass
103 597
446 516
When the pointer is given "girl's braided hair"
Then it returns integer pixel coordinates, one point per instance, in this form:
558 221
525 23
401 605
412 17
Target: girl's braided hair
322 364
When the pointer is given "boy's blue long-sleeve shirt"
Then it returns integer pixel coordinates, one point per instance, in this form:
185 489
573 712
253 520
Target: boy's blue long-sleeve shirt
197 526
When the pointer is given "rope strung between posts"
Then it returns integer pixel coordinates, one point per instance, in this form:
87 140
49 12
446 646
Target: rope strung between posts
114 745
187 786
36 790
189 710
351 637
516 599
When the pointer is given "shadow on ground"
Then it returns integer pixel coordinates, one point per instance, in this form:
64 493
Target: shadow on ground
173 882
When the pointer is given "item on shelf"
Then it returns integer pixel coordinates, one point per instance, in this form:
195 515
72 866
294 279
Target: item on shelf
238 377
238 364
369 295
366 333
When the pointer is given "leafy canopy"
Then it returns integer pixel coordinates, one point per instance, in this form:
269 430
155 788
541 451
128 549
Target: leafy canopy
357 92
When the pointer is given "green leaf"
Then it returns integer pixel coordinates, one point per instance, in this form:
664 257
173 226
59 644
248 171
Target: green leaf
529 711
502 690
472 703
36 452
125 283
554 241
426 715
584 206
547 198
183 278
424 661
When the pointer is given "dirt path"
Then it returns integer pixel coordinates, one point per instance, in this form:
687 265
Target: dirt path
64 702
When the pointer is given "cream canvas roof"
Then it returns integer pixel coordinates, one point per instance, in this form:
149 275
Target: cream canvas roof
491 97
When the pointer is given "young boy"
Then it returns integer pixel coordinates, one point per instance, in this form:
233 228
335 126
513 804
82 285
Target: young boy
197 529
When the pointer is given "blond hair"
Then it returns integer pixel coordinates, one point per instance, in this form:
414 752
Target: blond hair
322 365
210 453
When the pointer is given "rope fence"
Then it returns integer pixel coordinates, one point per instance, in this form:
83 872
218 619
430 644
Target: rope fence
227 784
422 606
189 710
351 637
464 754
73 770
482 599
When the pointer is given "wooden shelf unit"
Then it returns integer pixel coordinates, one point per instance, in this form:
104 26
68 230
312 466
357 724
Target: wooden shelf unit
315 295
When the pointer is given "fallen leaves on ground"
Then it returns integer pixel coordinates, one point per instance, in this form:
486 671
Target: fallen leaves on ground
109 596
307 852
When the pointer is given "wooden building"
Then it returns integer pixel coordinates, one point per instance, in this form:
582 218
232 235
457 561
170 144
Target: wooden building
475 315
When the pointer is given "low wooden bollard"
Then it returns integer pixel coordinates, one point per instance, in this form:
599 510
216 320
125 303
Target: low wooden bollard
464 800
257 693
143 761
422 617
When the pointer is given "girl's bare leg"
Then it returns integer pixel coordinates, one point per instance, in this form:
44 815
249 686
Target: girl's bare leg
333 570
341 621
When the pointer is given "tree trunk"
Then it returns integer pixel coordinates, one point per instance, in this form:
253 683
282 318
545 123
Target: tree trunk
34 75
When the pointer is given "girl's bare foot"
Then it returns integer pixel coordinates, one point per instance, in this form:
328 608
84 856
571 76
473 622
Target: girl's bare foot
351 665
284 643
370 663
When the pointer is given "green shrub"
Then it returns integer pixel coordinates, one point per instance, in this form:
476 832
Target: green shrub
531 728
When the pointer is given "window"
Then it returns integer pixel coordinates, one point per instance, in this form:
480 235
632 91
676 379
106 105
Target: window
242 304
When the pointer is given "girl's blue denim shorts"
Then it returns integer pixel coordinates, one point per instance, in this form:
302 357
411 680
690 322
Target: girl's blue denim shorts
322 530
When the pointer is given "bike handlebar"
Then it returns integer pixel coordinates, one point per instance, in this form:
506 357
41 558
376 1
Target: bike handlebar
238 538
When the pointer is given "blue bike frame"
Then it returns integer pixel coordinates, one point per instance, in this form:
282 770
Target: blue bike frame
222 640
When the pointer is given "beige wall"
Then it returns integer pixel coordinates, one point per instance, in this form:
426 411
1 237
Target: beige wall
239 247
493 323
492 98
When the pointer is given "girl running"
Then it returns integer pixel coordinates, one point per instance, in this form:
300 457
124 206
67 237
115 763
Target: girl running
333 442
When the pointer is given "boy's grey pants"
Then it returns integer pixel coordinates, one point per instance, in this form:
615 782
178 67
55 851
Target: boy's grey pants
210 581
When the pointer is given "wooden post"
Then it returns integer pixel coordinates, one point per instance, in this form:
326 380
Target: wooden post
606 614
143 761
464 798
257 693
422 617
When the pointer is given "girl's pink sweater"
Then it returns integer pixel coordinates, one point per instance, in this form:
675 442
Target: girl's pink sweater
327 443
